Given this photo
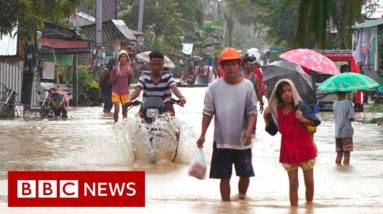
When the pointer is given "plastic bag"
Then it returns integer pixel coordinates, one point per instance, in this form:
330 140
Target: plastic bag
198 166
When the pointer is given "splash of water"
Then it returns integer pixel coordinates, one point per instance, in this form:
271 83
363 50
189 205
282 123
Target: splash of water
167 138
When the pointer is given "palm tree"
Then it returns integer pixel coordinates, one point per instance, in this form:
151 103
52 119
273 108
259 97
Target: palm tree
315 17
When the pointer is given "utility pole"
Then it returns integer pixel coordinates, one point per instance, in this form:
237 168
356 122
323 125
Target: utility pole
140 21
98 35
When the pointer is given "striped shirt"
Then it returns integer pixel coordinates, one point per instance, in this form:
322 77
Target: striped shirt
162 89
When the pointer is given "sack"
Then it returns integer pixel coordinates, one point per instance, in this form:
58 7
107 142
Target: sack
272 129
198 167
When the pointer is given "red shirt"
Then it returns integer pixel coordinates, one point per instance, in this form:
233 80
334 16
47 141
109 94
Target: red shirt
296 144
259 74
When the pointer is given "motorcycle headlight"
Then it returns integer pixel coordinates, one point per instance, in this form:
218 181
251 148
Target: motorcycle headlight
152 112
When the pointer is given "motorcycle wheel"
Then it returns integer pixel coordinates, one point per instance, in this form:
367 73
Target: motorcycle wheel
44 110
57 113
64 113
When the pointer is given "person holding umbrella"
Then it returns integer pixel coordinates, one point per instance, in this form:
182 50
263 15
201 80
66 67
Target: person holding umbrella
343 110
343 116
247 73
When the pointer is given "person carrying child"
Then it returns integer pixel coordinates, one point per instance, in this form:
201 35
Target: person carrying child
343 116
292 117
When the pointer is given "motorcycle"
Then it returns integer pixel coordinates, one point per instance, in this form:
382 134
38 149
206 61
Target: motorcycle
152 110
7 102
56 102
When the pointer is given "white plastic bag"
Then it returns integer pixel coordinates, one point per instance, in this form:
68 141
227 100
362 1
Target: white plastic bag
198 166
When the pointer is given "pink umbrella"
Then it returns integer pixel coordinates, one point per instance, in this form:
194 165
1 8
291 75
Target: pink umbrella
311 60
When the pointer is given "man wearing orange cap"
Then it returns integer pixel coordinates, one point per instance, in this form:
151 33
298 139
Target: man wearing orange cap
231 100
120 77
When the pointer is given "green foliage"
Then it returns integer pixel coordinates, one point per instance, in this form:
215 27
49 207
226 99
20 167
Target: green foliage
280 21
205 36
6 112
166 24
315 17
85 78
88 86
374 108
29 15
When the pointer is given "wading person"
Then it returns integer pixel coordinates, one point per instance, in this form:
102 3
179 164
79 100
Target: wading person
297 146
343 115
120 78
106 86
248 73
158 83
231 100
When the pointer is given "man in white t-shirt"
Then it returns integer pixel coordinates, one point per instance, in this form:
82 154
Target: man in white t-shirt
231 100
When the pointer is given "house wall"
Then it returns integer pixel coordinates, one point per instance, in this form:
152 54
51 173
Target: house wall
11 75
365 51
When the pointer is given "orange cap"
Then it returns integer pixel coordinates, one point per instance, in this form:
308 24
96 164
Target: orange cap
229 54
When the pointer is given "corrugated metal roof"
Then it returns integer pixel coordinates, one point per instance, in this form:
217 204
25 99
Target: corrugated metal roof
120 24
111 30
8 44
368 24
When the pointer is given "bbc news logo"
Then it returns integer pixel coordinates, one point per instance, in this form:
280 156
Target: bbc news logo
76 188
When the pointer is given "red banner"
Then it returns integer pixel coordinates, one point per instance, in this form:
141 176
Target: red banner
76 189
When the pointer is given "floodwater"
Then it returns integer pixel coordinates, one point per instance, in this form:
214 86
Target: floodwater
88 140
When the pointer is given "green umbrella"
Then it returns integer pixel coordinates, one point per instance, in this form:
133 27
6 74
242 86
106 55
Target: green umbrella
347 82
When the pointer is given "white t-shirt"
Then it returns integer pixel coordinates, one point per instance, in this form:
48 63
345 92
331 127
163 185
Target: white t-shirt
230 105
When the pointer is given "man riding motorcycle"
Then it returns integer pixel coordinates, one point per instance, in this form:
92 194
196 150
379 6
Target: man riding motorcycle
158 86
157 83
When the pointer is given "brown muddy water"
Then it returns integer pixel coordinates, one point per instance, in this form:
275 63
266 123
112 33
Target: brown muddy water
88 140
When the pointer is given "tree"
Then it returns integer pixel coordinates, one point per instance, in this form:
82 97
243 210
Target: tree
279 21
240 11
29 15
315 17
205 36
166 23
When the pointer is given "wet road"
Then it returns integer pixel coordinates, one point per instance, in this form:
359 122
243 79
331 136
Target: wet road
89 140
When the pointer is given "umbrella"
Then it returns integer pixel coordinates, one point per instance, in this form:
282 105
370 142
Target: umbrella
144 56
347 82
275 71
311 60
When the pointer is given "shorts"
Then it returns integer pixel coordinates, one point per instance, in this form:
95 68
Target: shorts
305 165
123 99
223 159
344 144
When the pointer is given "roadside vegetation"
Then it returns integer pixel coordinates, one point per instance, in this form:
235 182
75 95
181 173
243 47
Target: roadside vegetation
376 108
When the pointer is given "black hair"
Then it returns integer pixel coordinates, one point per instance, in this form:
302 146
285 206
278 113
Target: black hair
111 63
344 68
247 59
278 92
156 54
